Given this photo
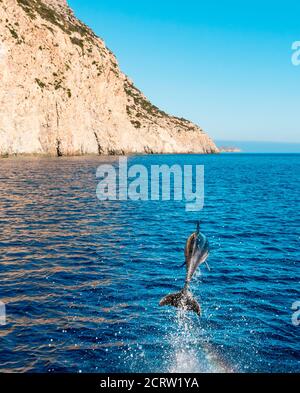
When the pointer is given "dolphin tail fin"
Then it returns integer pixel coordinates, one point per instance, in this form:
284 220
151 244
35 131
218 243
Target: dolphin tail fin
183 300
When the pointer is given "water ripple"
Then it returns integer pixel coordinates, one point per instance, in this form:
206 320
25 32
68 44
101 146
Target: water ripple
81 279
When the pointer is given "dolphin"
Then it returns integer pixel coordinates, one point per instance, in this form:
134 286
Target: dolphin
196 253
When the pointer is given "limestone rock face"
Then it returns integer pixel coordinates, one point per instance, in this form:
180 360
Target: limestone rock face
62 92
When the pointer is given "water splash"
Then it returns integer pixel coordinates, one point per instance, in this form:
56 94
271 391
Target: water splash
190 351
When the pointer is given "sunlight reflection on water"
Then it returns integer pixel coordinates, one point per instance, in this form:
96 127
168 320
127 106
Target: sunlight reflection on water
82 280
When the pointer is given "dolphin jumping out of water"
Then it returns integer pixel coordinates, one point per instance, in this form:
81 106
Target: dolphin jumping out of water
196 253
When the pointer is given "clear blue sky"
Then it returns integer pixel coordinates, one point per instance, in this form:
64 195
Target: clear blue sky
226 65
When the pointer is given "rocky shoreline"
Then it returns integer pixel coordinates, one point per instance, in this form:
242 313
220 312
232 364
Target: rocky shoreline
62 92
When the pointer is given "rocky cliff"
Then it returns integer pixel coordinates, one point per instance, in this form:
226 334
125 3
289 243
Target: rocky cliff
62 92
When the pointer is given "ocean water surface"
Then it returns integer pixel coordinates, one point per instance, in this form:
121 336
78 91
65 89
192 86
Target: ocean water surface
81 279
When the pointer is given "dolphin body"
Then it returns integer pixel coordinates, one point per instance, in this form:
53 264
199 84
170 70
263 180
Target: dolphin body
196 253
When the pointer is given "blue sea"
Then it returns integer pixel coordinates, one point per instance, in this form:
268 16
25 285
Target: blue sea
82 279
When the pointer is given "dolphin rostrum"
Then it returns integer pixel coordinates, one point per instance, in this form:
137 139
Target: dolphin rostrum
196 253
